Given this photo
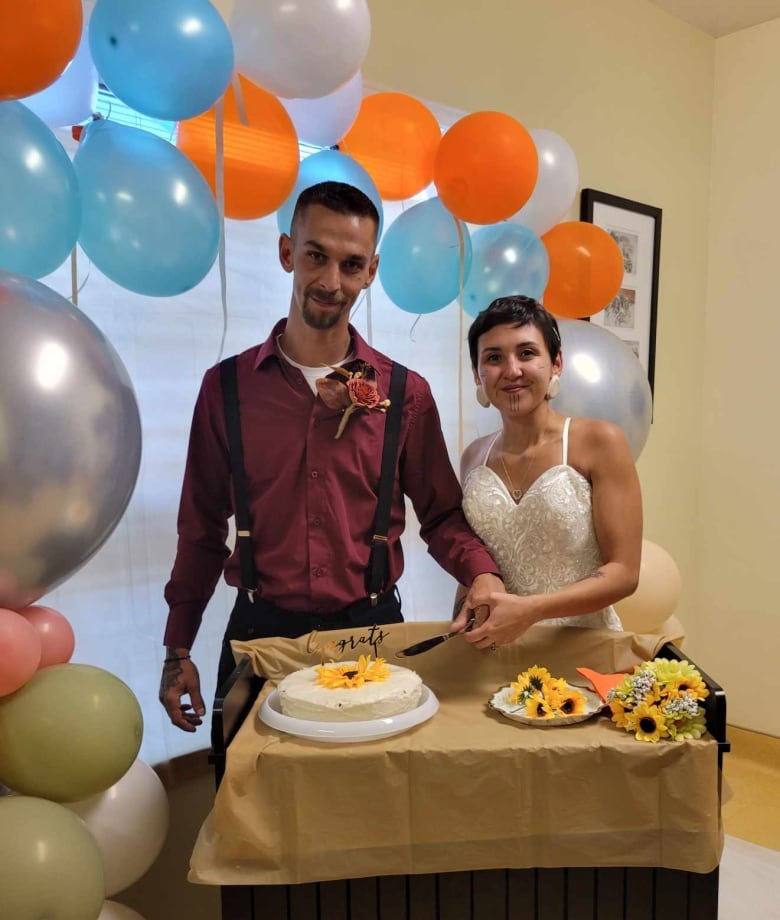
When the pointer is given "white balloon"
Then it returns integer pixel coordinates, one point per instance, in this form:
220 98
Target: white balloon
129 821
300 50
72 97
323 122
556 186
603 378
114 911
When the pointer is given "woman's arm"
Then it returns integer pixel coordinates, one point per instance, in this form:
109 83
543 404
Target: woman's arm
602 454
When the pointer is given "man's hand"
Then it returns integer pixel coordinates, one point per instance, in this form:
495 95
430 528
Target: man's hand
180 678
475 603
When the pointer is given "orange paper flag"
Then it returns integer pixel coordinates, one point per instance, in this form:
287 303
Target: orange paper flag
602 683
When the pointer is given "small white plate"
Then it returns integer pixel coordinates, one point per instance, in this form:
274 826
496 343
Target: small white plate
346 732
516 712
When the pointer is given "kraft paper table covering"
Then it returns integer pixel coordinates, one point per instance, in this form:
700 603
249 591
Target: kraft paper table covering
469 789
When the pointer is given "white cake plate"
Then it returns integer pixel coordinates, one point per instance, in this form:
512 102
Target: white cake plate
347 732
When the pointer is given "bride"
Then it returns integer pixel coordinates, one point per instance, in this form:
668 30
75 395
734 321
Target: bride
555 499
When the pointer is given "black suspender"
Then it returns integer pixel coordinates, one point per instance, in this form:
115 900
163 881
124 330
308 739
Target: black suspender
376 574
230 405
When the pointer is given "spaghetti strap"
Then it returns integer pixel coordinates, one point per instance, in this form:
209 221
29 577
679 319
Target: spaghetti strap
565 451
490 447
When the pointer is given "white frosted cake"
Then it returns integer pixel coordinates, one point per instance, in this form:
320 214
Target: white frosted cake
350 691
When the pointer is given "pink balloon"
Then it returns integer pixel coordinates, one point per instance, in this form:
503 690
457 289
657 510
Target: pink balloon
55 634
20 651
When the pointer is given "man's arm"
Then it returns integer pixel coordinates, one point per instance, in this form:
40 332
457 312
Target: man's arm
201 552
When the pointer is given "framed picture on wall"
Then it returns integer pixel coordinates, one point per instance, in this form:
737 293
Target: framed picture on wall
636 228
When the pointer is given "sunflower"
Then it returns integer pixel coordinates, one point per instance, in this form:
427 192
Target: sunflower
647 722
537 707
563 699
572 704
680 675
352 674
530 681
621 710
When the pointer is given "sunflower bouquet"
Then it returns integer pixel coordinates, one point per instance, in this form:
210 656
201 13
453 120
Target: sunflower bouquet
661 699
544 696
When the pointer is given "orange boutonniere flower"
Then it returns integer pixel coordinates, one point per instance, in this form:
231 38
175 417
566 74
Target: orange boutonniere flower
358 392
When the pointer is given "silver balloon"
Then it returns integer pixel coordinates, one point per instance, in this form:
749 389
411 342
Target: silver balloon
70 439
603 378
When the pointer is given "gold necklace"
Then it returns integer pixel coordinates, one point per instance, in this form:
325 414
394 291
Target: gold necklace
517 494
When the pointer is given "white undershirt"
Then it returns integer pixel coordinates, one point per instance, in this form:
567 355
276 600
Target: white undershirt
311 374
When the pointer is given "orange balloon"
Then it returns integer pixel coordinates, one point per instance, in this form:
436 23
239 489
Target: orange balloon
38 39
486 167
586 269
395 138
261 157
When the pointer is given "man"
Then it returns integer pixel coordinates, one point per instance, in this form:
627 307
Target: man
313 405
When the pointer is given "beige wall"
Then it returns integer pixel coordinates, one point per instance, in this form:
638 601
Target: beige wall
738 533
630 88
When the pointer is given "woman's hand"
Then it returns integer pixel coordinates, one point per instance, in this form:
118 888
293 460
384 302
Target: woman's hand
509 617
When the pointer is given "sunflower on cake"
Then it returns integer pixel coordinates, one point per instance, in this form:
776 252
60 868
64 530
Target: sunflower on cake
350 691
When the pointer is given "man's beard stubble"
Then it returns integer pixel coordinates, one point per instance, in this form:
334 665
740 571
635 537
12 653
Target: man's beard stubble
321 319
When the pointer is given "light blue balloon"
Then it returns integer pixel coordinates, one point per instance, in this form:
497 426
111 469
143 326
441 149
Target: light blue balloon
329 166
40 210
508 259
420 258
150 221
170 60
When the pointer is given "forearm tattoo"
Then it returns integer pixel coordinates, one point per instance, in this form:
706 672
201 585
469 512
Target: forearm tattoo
597 574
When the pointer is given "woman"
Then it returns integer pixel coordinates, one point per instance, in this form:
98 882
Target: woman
555 499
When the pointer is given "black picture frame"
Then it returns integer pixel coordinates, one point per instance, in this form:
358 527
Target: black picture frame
636 228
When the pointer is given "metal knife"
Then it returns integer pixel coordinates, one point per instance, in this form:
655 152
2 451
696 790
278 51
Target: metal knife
425 645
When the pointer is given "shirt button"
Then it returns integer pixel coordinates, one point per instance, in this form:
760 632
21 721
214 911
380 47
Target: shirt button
316 423
319 572
317 521
314 474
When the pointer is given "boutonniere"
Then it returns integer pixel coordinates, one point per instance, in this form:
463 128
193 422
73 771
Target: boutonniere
358 391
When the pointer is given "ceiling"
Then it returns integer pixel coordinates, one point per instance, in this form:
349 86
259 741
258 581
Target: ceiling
721 17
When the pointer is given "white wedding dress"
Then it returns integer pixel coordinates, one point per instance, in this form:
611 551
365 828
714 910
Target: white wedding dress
544 542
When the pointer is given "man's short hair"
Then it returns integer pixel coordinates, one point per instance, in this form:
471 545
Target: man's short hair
339 197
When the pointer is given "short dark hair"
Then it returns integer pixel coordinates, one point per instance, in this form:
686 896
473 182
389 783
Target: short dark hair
339 197
515 310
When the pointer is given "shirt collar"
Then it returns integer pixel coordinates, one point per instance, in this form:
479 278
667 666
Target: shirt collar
361 350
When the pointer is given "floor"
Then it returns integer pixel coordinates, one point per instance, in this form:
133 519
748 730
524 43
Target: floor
750 868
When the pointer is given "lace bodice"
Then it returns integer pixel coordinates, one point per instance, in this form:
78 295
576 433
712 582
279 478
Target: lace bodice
544 542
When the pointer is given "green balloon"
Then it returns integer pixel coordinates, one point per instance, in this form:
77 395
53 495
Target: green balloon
50 864
69 733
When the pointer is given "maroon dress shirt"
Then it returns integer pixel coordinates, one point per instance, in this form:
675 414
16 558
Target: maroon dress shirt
312 498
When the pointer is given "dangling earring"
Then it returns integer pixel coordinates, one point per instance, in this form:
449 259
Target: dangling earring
554 386
482 397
